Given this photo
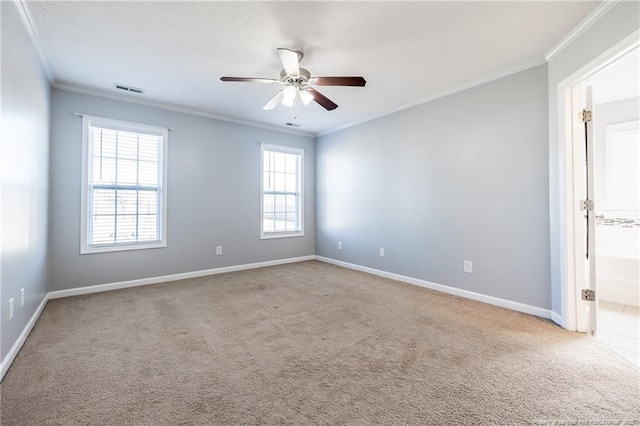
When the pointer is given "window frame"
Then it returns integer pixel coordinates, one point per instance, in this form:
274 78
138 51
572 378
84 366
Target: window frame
300 194
89 121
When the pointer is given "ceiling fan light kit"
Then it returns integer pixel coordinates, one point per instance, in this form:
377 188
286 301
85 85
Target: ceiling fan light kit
299 83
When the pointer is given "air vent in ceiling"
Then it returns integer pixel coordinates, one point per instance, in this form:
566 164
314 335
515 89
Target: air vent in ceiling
291 124
128 88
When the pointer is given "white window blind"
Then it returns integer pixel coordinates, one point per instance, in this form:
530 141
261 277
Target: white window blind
282 192
124 198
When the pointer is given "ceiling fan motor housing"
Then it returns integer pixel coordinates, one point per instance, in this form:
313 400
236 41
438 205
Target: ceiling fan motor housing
297 80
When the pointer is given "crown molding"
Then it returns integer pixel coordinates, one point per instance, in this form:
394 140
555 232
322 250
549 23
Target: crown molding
442 94
172 107
591 19
35 40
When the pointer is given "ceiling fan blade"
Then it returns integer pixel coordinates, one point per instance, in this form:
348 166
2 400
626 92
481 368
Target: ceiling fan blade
339 81
290 61
250 79
325 102
274 101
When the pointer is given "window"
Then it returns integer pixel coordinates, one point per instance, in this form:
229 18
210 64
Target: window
123 186
281 212
622 173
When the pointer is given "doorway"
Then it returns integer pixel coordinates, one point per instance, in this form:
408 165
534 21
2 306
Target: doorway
602 119
616 132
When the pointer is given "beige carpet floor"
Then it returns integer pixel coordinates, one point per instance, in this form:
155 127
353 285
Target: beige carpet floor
306 343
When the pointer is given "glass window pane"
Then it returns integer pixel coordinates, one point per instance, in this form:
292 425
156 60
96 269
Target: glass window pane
291 164
267 181
291 182
279 182
126 228
104 202
147 227
127 172
103 171
103 143
148 202
148 148
292 221
127 145
102 230
268 203
292 203
148 173
127 201
280 221
280 203
278 164
266 161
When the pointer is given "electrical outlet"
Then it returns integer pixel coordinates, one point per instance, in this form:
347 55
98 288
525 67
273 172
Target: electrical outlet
11 308
339 245
218 250
468 266
381 251
21 297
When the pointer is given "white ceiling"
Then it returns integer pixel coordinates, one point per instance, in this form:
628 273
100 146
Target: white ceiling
408 52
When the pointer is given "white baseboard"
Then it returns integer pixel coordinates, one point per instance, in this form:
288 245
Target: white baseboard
8 360
509 304
174 277
558 319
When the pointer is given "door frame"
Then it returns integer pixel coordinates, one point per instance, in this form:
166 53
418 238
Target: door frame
572 316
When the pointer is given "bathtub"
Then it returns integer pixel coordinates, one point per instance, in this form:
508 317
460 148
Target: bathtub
618 264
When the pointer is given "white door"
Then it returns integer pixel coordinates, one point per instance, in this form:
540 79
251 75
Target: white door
585 244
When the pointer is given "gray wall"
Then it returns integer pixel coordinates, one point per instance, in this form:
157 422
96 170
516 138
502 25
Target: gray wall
619 22
464 177
24 177
213 196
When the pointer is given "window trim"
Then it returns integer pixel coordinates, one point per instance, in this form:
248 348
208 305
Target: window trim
286 150
89 121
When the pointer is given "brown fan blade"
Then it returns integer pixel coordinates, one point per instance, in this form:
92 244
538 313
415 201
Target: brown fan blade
339 81
321 99
290 61
249 79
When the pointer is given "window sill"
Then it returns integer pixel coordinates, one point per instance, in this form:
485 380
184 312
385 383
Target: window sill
272 235
121 247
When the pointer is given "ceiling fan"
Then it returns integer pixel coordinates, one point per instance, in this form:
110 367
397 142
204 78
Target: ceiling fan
298 83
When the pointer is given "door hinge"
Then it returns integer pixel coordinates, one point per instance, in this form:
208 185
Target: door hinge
585 116
588 295
586 205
